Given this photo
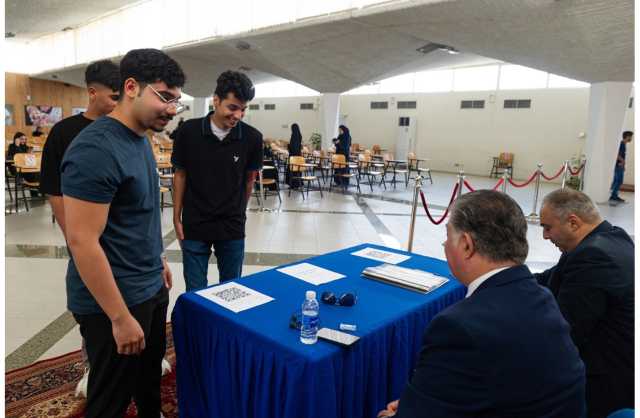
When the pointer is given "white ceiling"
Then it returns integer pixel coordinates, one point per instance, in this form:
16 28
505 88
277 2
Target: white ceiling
588 40
29 19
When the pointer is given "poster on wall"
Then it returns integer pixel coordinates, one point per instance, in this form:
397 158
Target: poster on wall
8 115
78 110
42 115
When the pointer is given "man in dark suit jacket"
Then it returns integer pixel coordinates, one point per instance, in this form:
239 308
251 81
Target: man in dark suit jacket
505 350
593 284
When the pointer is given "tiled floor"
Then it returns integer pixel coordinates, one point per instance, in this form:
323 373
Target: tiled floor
36 323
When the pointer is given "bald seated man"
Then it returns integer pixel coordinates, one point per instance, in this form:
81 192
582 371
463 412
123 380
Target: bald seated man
593 284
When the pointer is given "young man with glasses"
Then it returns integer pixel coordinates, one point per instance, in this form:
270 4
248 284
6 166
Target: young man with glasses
103 84
216 159
117 281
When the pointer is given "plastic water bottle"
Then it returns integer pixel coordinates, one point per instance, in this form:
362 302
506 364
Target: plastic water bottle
310 316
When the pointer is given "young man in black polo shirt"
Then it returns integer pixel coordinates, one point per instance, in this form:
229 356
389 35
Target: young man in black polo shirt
216 159
103 84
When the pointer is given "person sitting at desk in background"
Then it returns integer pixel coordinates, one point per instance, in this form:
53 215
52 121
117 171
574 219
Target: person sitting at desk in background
504 351
19 146
37 132
593 284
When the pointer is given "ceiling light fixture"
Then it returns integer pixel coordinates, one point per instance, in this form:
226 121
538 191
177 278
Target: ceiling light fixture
430 47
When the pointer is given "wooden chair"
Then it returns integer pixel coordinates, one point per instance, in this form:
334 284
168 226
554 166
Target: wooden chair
267 184
366 168
341 169
300 173
376 149
414 165
501 163
26 164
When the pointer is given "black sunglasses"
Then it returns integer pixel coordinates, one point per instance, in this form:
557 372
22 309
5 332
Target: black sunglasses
346 299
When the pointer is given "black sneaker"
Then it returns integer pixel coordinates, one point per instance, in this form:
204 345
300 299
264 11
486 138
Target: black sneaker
619 199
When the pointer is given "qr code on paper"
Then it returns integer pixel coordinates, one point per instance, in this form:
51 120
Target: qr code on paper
231 294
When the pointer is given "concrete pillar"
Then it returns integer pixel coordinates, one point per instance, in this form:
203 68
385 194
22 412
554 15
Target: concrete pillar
200 107
608 103
330 112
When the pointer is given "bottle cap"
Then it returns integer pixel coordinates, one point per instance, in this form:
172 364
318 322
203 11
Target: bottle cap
311 294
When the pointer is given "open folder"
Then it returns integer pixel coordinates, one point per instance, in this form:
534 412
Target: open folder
412 279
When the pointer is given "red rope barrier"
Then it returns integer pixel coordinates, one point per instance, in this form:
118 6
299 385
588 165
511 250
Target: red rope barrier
514 184
554 177
575 173
498 184
468 186
446 212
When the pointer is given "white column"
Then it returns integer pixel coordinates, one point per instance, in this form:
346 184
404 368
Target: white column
330 112
200 108
608 102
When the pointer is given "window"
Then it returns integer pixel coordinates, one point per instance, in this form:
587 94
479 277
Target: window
254 107
475 78
472 104
556 81
517 104
270 107
513 77
379 105
306 106
407 104
399 84
433 81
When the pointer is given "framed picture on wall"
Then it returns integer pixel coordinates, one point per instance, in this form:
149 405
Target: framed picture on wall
42 115
9 115
78 110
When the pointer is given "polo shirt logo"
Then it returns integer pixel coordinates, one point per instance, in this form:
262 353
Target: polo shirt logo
235 158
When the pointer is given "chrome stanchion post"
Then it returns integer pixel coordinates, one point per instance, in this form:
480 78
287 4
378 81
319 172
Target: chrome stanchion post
505 180
414 208
460 182
261 190
584 168
534 214
565 175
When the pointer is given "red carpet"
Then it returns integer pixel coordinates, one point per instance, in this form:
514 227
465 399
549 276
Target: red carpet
47 388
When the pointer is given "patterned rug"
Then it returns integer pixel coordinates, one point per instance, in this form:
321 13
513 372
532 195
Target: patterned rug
47 388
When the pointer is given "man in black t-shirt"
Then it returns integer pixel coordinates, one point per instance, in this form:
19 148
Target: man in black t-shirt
216 160
103 84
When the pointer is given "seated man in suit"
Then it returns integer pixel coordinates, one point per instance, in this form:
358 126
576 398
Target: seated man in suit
593 284
504 350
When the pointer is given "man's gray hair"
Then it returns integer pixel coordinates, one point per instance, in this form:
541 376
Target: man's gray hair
495 222
568 201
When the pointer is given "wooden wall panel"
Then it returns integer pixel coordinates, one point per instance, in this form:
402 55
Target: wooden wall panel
42 92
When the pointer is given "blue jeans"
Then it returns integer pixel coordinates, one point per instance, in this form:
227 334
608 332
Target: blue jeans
195 261
618 176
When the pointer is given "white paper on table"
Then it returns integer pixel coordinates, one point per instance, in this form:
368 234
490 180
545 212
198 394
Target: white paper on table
381 255
234 296
311 274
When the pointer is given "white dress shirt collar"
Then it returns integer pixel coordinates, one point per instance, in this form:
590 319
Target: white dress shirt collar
478 281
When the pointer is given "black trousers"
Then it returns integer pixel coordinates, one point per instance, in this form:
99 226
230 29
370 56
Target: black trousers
609 393
114 378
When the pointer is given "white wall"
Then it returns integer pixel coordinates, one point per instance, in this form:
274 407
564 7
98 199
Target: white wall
546 133
277 123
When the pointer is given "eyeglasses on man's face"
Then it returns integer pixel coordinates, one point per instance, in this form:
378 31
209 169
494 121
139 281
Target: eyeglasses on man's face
173 102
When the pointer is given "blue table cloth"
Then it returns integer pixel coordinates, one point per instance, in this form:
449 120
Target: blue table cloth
251 364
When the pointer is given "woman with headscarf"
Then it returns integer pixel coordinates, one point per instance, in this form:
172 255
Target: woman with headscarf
343 145
295 147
